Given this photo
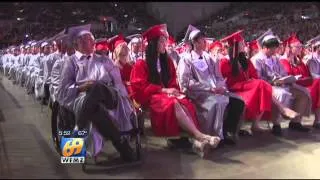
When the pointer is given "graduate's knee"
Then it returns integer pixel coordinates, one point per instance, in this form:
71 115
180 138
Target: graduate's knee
100 92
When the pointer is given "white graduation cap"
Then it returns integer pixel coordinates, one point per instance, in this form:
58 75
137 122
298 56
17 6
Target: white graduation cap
60 36
29 42
11 48
261 39
180 44
39 43
135 38
43 44
268 37
77 31
33 43
193 34
189 30
313 42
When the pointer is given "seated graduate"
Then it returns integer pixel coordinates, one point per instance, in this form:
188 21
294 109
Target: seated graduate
154 85
241 78
5 61
293 65
55 55
25 69
286 92
91 87
312 59
171 46
40 87
59 57
22 64
217 50
33 67
118 46
219 112
135 47
19 65
15 63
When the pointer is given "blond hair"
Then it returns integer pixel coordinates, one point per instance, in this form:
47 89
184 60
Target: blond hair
116 54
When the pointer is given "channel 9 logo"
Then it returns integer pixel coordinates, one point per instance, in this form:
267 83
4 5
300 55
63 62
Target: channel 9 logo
73 150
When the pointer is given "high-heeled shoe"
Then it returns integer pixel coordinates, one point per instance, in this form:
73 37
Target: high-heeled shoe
202 148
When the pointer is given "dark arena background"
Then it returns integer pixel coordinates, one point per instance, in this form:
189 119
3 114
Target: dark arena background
38 131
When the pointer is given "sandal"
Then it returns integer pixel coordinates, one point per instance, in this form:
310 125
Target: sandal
213 140
201 148
290 114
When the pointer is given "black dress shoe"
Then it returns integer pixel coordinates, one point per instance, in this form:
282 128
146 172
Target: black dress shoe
316 125
298 127
221 143
125 150
244 133
229 139
276 130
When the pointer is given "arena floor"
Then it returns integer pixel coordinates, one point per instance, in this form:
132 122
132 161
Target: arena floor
26 150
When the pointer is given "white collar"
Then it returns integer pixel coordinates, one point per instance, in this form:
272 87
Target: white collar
78 54
196 55
133 53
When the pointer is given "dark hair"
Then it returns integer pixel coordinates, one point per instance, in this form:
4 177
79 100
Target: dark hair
196 38
239 57
151 59
271 43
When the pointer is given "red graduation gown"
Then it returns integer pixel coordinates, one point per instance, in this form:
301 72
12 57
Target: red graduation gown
163 119
256 93
313 85
125 72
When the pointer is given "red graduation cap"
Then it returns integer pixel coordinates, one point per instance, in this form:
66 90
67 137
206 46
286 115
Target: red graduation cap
235 37
253 45
291 40
116 41
102 46
232 39
180 49
155 31
215 44
171 41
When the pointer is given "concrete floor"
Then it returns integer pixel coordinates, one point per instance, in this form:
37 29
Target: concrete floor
26 151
